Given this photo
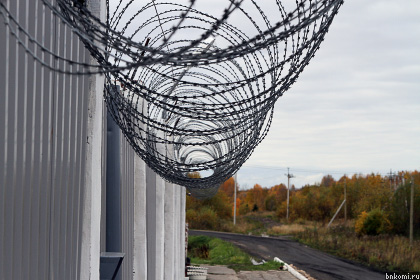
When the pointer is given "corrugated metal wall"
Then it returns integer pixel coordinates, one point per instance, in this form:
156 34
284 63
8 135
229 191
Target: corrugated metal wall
42 142
127 213
43 150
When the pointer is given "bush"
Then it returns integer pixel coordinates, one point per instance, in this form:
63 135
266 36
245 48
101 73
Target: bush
205 218
359 225
372 223
270 203
255 208
244 209
219 203
281 210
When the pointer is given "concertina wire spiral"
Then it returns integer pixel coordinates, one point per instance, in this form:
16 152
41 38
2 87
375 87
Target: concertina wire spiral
192 87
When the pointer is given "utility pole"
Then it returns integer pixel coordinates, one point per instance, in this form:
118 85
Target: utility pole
234 199
345 197
391 177
411 211
289 176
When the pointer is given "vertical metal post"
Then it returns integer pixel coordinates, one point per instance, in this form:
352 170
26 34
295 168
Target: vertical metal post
345 199
288 189
113 187
234 199
411 210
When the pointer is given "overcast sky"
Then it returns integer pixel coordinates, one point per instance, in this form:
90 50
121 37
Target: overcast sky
355 108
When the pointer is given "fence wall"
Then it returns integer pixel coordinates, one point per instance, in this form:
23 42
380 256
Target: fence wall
151 228
52 217
43 117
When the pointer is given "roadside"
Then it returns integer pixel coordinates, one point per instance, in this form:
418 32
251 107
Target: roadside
222 260
383 252
214 251
316 263
220 272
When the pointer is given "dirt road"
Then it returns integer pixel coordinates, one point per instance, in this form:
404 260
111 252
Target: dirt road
319 265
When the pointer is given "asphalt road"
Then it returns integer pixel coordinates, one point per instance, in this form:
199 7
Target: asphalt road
318 264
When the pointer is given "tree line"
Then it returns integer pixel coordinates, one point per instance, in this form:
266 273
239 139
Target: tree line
390 196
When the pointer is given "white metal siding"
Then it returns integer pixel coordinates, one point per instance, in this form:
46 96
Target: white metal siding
42 143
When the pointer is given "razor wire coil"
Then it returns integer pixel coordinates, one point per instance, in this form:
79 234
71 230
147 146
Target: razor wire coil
191 91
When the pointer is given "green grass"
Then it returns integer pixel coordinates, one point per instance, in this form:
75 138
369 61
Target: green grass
214 251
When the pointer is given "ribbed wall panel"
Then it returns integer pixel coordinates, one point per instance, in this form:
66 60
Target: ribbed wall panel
3 144
43 123
43 118
127 219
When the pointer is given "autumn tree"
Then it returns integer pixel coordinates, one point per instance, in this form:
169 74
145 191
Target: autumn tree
400 205
270 203
364 193
374 194
327 181
275 196
255 197
208 213
228 187
311 203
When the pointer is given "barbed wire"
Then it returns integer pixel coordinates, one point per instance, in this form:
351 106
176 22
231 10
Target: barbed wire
191 92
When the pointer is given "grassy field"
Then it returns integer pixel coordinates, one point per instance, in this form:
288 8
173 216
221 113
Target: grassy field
214 251
383 252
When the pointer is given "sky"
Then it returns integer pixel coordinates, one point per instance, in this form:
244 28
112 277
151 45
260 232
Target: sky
355 109
356 106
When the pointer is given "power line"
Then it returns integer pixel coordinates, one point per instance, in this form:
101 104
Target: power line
315 171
